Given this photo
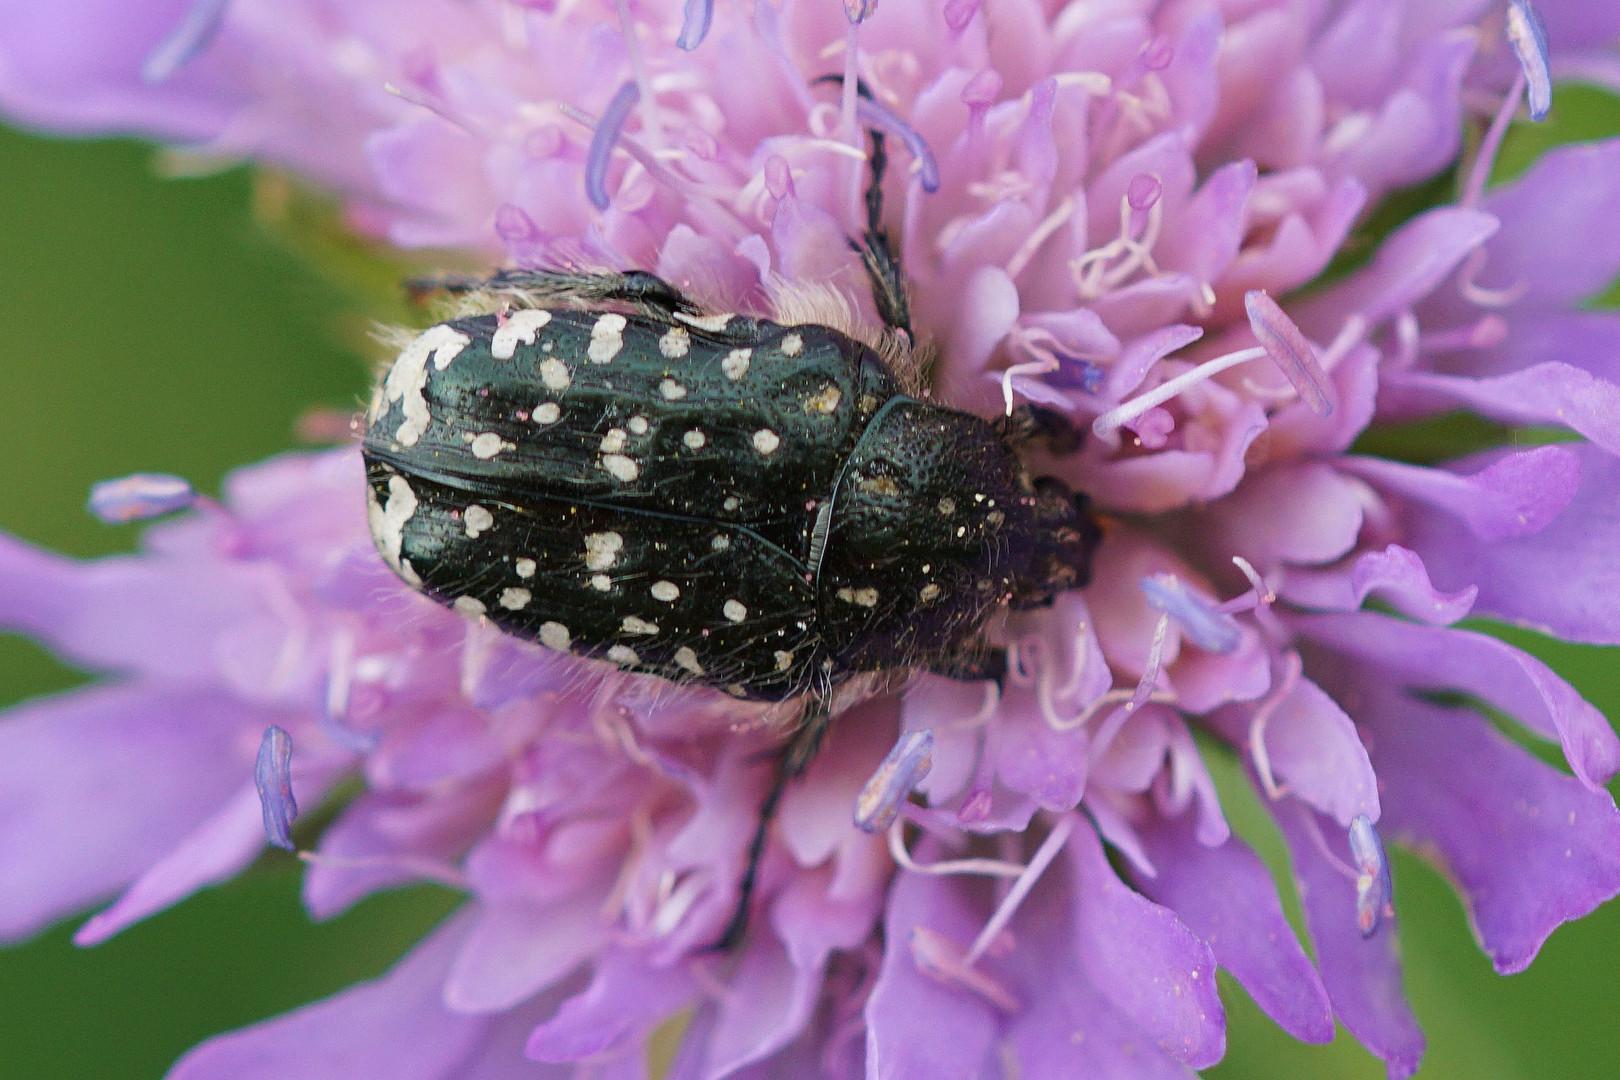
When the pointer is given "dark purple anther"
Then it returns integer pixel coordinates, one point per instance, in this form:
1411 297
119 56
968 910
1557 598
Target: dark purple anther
1201 622
1289 350
139 497
608 129
194 34
1529 39
879 116
1374 889
272 774
894 781
696 19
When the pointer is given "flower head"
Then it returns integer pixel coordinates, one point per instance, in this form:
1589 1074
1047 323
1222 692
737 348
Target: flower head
1110 213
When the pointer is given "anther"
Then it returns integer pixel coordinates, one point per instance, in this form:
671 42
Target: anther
880 116
604 140
1528 37
1289 350
696 19
1201 620
139 497
1374 889
272 775
894 780
196 31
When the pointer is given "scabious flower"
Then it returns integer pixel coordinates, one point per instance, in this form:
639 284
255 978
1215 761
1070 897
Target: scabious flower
1110 210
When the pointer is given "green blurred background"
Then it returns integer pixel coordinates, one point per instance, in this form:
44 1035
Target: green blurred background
156 324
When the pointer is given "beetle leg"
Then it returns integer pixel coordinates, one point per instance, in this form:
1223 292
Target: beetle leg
791 761
1027 423
882 265
647 293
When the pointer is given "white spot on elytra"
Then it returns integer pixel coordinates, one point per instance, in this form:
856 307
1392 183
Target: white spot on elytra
477 519
601 582
784 659
601 549
766 441
929 593
792 345
639 425
408 377
694 439
468 606
525 567
864 597
735 365
671 390
515 599
675 343
622 468
734 611
687 659
731 503
720 542
613 441
623 654
554 375
712 323
634 624
486 444
826 401
607 338
519 326
554 635
666 591
388 520
547 412
947 506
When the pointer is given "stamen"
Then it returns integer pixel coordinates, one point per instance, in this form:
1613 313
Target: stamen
1289 350
892 784
1480 295
945 867
1351 334
272 775
603 142
1026 881
426 869
638 72
197 30
1204 623
1292 669
139 497
1150 672
881 116
1033 367
1112 420
1374 888
858 11
1479 172
1072 372
1143 191
1049 225
696 19
941 958
1529 40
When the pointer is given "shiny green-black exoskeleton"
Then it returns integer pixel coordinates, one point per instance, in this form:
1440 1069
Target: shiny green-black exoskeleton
764 506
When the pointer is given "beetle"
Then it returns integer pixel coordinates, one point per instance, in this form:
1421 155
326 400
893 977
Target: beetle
770 506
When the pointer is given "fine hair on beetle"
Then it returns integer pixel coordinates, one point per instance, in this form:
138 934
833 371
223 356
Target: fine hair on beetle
767 505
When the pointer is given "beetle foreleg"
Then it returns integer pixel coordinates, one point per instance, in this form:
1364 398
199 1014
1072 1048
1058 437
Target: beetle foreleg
647 293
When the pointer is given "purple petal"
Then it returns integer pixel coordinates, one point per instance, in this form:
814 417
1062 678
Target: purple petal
1437 659
1528 847
1553 394
272 776
140 497
1565 579
1313 750
1226 896
393 1028
608 128
767 1004
626 998
1529 40
100 783
512 951
1304 514
1289 350
1515 494
1362 975
1396 574
1569 192
1147 964
919 1028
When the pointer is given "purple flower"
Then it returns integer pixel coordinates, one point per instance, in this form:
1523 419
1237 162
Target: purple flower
1104 212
